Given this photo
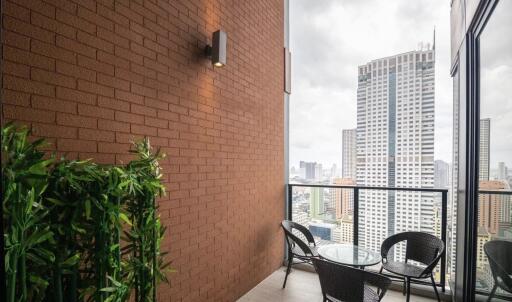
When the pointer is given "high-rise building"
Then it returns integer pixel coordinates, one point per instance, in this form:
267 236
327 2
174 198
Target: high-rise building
483 237
485 139
441 174
395 144
310 170
316 203
334 170
502 171
318 172
491 206
344 198
348 154
347 226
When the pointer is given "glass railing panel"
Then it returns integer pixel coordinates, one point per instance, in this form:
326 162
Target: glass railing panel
326 212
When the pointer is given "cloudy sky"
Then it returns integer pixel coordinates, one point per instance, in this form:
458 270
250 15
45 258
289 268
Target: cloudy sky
329 39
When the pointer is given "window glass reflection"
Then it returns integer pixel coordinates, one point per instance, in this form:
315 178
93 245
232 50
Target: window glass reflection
494 208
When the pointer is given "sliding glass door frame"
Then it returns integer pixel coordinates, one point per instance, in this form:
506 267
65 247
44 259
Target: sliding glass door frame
468 67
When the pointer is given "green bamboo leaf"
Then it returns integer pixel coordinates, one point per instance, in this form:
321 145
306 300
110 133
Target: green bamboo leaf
38 237
125 218
71 260
88 209
38 280
55 201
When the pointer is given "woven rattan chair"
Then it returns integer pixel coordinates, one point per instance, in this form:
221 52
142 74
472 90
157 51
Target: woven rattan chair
349 284
296 247
499 253
421 247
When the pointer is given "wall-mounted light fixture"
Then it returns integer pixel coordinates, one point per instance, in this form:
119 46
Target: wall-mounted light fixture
217 51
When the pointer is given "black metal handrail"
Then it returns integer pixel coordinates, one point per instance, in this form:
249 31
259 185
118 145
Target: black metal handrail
356 189
494 192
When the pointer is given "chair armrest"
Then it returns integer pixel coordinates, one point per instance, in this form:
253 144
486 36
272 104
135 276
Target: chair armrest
430 267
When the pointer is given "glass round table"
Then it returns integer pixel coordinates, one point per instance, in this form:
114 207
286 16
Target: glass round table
349 254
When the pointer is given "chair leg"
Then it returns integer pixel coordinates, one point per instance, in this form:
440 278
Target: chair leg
435 287
404 289
290 260
492 292
380 272
408 288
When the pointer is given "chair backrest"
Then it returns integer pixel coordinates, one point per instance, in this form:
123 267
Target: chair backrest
422 247
346 283
499 253
292 240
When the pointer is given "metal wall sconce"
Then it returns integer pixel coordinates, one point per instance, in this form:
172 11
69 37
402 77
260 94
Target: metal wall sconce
217 51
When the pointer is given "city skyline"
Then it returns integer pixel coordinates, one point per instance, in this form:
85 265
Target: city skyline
323 102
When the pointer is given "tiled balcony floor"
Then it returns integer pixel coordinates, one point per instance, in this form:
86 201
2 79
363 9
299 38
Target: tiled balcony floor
302 286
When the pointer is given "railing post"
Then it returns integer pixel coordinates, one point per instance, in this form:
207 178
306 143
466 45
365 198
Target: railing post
355 229
289 197
444 206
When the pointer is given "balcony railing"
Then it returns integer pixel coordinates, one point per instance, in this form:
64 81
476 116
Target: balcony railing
355 209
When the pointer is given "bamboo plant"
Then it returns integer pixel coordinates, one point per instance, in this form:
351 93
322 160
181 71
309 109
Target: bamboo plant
27 233
64 222
144 261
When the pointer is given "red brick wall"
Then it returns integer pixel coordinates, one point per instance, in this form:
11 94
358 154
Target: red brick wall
92 75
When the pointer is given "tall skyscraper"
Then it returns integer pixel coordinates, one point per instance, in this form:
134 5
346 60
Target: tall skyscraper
348 154
395 144
485 138
441 174
502 171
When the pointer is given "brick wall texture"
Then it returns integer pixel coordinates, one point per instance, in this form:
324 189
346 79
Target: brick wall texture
92 75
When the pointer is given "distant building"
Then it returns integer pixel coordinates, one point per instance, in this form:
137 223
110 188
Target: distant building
502 171
441 174
483 236
318 172
300 217
316 203
334 170
322 230
493 208
347 226
485 139
344 198
348 154
329 204
310 170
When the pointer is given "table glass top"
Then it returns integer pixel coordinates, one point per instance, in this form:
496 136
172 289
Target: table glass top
349 254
